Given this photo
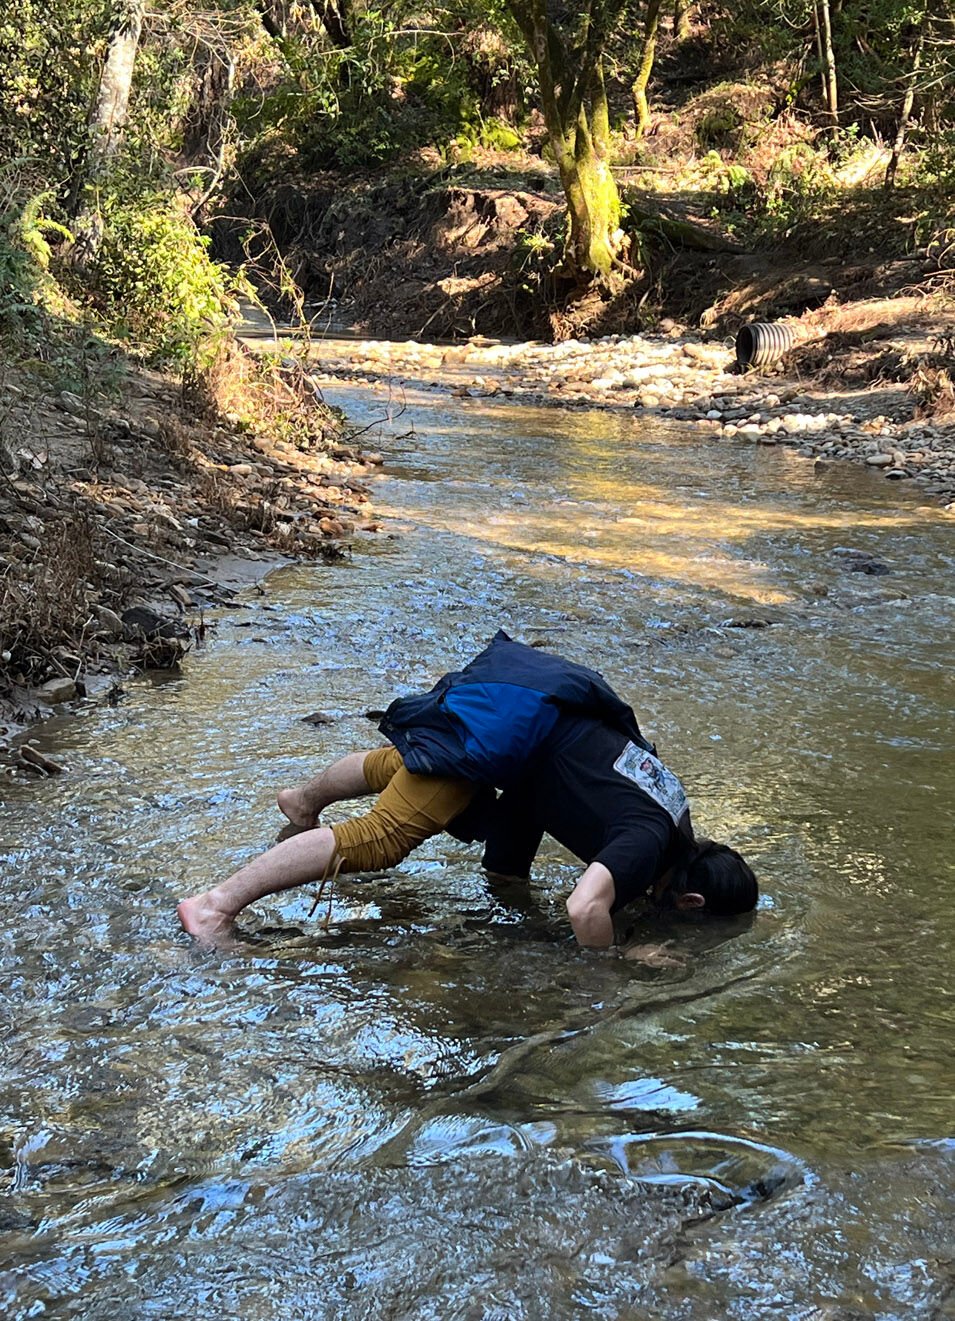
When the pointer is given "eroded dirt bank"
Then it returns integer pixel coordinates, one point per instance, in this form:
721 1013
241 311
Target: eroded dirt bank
121 521
456 252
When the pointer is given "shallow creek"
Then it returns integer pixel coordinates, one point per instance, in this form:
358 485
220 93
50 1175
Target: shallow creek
437 1107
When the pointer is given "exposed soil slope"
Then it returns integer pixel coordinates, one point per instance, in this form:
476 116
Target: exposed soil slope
119 524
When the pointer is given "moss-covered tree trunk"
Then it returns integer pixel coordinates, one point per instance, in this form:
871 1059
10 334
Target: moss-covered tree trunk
574 103
648 50
582 153
681 19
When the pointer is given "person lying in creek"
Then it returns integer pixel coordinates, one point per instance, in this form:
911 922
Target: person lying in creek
516 744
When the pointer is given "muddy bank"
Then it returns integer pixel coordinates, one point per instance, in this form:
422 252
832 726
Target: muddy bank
415 256
459 252
841 414
122 521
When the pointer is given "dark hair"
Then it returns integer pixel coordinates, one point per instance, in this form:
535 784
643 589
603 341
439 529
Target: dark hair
720 875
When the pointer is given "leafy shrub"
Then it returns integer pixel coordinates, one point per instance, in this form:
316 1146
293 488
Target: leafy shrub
50 59
798 184
27 239
936 166
719 127
730 180
155 281
375 102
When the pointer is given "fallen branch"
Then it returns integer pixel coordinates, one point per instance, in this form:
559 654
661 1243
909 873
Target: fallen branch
33 760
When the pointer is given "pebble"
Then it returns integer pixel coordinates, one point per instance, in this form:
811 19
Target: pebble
71 403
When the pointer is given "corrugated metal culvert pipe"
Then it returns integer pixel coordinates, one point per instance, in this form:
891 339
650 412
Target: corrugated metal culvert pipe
763 342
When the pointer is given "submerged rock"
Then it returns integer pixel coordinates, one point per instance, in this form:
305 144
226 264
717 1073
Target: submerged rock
55 691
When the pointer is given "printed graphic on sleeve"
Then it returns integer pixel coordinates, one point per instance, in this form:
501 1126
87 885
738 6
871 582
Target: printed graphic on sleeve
649 774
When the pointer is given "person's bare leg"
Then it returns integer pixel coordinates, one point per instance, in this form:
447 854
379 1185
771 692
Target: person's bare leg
345 778
306 857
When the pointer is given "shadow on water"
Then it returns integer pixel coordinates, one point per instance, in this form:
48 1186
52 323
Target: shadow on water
440 1107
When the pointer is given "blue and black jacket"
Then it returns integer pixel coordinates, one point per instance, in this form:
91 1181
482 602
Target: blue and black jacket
485 723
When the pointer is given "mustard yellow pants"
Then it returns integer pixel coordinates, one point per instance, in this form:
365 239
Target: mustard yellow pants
409 809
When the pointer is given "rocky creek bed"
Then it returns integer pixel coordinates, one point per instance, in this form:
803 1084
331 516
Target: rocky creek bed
690 380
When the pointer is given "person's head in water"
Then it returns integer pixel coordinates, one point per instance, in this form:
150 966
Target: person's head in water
714 879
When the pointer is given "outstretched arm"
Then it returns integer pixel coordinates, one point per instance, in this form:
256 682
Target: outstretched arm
588 907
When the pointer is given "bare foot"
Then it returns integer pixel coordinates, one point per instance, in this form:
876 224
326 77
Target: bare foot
293 805
201 917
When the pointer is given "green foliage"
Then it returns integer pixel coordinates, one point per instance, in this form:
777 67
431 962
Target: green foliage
797 188
18 280
349 113
490 133
728 178
27 239
155 283
499 136
843 144
936 165
49 53
534 255
408 80
718 127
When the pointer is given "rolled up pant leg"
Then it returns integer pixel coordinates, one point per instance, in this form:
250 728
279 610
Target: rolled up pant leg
409 810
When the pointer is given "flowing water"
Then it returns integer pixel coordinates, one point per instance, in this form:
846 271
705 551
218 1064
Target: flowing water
440 1107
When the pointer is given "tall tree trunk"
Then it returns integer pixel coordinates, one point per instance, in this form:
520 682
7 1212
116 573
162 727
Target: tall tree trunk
817 33
681 19
595 221
593 202
107 124
829 61
908 100
574 103
648 50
